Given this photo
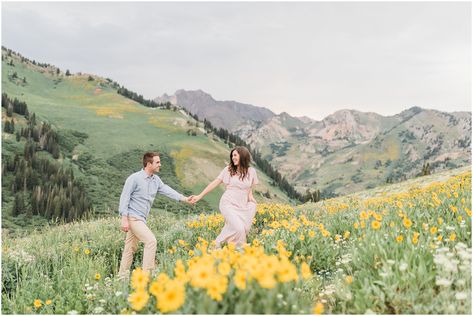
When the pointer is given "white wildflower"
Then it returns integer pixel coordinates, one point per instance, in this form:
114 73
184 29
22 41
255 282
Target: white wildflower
443 282
98 310
461 296
403 266
461 282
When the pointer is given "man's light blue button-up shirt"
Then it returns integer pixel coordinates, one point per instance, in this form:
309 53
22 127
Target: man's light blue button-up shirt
139 192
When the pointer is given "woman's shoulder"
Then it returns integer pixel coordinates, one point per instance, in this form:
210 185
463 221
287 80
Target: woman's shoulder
225 171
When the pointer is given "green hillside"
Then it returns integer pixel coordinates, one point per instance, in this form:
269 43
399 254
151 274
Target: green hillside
103 136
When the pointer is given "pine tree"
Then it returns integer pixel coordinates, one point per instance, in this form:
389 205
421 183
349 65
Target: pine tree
18 204
6 126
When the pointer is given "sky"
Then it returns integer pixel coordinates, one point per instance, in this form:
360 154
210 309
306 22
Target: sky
305 58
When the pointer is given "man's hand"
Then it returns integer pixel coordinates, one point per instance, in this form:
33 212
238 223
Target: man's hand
189 199
125 226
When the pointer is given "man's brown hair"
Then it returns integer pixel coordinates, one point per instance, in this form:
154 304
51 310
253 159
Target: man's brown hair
148 157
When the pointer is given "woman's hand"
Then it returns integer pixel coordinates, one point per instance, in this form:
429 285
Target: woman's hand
252 199
196 198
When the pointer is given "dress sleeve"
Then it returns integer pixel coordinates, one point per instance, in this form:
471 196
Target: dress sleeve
224 176
255 177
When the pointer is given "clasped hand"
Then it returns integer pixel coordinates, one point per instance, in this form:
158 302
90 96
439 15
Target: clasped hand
192 199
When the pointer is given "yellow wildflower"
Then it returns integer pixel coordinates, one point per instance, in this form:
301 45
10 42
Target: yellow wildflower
201 274
138 299
348 279
224 268
37 303
318 309
240 279
305 271
453 236
375 225
172 297
266 280
325 233
407 222
139 279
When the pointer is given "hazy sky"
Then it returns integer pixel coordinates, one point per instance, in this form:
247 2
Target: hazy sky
306 58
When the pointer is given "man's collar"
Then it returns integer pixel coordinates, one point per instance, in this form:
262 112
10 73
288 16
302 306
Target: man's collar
145 175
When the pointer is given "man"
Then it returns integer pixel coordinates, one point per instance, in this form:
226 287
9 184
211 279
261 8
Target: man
136 200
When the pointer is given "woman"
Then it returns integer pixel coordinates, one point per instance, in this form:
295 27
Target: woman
237 204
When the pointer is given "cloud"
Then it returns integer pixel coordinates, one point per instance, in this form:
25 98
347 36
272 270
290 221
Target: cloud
305 58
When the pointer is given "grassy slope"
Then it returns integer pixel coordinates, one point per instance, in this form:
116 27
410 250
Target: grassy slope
389 189
101 236
115 125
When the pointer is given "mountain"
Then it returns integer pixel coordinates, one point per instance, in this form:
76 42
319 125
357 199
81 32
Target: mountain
101 136
351 150
222 114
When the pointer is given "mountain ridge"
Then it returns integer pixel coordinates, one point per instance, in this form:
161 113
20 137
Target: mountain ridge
368 148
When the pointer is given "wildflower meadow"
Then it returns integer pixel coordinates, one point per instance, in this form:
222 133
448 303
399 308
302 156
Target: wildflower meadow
402 252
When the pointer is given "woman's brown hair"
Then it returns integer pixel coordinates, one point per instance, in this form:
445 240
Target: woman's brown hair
245 159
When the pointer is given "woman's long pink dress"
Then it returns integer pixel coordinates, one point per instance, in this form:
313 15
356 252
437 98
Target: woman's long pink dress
235 207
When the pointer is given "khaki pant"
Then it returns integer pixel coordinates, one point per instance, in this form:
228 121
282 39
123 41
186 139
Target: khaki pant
138 231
